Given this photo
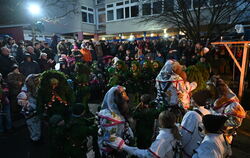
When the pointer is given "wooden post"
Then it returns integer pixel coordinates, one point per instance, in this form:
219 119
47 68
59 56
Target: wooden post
243 70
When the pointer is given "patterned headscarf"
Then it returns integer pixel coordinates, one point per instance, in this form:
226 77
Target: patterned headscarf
109 100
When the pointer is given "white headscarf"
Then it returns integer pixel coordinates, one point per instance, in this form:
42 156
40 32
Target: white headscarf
166 71
109 100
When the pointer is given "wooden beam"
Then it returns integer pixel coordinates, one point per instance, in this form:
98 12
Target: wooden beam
243 70
233 57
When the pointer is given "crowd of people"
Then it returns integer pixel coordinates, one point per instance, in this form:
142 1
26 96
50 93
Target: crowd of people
160 98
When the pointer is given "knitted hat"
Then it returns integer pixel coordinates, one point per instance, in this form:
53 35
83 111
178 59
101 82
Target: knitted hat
214 123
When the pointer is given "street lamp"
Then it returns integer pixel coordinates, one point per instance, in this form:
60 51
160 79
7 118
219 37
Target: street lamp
34 10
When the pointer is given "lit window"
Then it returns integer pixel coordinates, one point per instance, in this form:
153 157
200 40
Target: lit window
101 18
119 13
146 9
157 7
127 12
84 17
134 11
110 15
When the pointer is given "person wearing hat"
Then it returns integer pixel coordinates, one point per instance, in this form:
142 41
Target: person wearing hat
192 129
48 51
79 130
29 66
214 144
15 81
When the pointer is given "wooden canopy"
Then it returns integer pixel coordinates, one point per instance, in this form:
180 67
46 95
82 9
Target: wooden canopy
242 67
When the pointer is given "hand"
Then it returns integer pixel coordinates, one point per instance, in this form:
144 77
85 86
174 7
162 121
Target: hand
116 142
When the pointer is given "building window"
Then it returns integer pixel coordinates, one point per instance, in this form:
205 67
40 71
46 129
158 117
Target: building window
127 12
84 8
101 9
119 13
157 7
110 15
90 9
126 2
119 4
168 5
146 9
101 18
100 1
91 18
110 6
84 17
188 4
134 11
133 1
197 5
87 15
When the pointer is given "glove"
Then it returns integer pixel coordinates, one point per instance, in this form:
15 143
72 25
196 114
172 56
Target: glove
116 143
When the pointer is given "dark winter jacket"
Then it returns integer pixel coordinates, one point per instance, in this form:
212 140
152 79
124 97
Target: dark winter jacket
6 64
27 68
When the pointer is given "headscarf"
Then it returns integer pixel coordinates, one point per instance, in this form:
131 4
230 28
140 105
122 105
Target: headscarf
109 101
166 71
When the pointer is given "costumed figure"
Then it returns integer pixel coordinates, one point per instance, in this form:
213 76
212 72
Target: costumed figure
120 75
228 104
172 90
214 145
165 144
156 68
27 99
79 131
147 76
192 129
145 115
113 122
54 95
134 86
82 83
97 82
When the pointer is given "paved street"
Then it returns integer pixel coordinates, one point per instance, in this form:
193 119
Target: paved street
17 144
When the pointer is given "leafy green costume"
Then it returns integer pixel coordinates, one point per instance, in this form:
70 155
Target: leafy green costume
145 116
147 78
82 83
78 129
195 75
120 75
54 95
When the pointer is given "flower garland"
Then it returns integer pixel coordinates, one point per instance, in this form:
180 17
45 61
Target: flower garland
53 99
